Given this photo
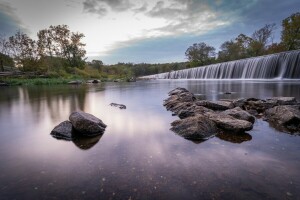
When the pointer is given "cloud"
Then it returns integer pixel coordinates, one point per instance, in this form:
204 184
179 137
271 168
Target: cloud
141 9
101 7
9 22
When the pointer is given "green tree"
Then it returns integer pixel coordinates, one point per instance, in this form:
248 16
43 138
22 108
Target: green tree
290 34
59 41
200 54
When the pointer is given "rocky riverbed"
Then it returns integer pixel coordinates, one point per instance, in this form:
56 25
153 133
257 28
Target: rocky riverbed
201 119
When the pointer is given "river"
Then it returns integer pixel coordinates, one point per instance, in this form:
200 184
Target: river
138 157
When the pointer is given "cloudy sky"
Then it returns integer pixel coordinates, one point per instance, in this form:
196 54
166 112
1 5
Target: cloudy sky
154 31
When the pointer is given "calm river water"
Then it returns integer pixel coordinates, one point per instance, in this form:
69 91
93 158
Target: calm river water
138 157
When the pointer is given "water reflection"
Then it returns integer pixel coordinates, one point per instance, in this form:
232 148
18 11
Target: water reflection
234 138
138 157
86 143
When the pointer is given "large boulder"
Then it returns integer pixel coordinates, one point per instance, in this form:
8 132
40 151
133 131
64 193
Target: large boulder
215 105
195 128
229 123
284 117
63 131
86 124
239 113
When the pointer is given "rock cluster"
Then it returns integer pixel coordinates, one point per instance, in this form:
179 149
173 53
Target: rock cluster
201 119
81 124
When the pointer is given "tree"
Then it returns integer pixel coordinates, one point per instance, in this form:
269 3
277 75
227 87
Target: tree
200 53
60 42
23 50
261 39
97 64
235 49
290 34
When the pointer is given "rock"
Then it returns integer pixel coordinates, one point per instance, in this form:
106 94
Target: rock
177 91
195 128
186 97
216 105
239 113
121 106
181 106
95 81
77 82
63 131
86 124
192 111
259 105
283 100
229 123
284 117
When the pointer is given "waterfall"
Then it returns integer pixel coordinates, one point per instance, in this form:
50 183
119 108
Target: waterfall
285 65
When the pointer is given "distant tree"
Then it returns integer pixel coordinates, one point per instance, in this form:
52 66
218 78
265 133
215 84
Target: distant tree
235 49
200 53
97 64
290 34
23 50
261 39
60 42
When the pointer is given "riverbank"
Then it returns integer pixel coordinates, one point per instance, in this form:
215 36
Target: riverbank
56 81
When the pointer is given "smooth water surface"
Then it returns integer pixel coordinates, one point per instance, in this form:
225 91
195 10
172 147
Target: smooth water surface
138 157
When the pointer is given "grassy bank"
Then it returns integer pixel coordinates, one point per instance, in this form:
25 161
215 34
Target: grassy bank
34 81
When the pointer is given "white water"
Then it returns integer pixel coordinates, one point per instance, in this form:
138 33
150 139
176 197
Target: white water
285 65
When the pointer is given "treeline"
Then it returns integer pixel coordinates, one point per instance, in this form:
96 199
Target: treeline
58 52
56 49
261 42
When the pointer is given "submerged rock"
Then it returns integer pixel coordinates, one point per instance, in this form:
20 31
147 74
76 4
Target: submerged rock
87 124
195 128
63 131
284 117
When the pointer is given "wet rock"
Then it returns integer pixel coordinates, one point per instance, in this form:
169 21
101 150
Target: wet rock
284 117
86 124
216 105
121 106
194 128
192 111
229 123
177 91
283 100
259 105
181 106
63 131
239 113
